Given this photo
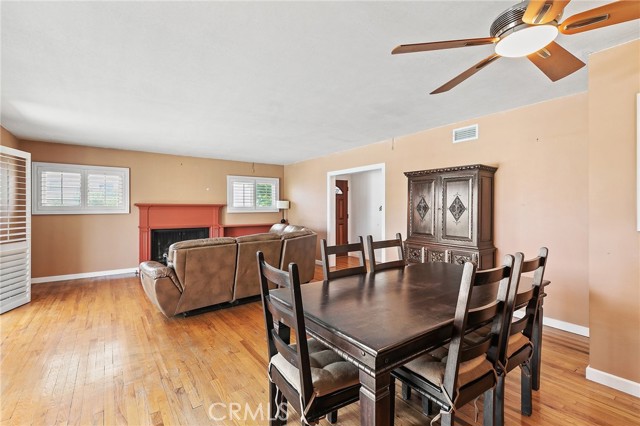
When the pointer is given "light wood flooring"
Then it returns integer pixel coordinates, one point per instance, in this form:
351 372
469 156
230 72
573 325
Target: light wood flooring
96 351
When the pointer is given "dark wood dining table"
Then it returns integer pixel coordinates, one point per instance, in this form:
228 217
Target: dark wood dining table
380 321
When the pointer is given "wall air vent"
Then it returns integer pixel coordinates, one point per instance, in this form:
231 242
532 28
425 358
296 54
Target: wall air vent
464 134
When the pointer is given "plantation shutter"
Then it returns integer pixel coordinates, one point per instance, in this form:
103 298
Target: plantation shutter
105 190
60 189
243 195
15 228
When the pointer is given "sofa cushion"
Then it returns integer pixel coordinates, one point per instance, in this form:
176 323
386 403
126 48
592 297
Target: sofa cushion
294 234
293 228
257 237
202 242
278 228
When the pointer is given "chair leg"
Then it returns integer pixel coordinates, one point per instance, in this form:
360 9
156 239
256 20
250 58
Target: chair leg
406 392
526 379
447 419
488 412
392 400
332 417
498 402
427 406
536 358
277 407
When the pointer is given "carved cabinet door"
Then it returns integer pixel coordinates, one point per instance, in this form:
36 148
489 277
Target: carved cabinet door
422 205
457 208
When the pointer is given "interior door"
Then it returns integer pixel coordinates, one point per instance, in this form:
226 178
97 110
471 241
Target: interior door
342 212
15 228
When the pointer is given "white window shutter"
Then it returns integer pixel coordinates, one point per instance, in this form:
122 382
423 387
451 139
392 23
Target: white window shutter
105 190
15 228
60 189
243 194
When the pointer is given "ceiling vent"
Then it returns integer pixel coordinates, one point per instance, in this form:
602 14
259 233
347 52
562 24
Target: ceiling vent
464 134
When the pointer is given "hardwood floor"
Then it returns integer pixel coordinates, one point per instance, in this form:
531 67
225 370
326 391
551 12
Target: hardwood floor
96 351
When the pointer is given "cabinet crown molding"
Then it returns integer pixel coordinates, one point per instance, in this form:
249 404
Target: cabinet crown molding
451 169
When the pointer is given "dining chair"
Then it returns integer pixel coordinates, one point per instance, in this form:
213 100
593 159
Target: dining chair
464 371
372 246
518 347
311 377
327 251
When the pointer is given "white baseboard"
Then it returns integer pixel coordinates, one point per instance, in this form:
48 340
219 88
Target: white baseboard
318 262
560 325
615 382
83 275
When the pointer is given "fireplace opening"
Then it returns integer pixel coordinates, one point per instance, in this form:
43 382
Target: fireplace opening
161 239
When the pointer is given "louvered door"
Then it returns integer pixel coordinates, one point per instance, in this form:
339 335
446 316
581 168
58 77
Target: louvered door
15 228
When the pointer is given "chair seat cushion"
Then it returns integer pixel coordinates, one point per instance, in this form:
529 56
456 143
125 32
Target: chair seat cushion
329 371
516 343
431 367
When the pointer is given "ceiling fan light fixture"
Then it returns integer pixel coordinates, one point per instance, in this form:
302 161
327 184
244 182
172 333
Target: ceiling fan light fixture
526 40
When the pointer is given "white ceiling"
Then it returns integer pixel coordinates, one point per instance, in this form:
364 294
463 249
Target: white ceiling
272 82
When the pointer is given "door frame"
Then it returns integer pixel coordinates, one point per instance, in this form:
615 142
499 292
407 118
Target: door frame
331 199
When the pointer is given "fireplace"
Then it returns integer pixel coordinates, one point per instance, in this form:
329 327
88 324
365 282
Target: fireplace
172 217
161 239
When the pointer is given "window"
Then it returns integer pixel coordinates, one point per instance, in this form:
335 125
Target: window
76 189
248 194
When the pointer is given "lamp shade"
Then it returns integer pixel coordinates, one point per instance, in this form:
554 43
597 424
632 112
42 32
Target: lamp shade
282 205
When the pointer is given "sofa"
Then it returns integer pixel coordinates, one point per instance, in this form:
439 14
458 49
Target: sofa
213 271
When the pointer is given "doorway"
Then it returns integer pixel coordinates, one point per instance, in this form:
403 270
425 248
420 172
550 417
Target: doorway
363 212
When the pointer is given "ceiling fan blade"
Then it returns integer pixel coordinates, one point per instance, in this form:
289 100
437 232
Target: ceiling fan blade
543 12
437 45
609 14
555 61
468 73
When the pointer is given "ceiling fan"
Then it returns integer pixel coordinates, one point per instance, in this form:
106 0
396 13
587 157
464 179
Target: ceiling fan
529 29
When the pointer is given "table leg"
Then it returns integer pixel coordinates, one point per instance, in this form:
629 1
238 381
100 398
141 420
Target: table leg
536 357
375 399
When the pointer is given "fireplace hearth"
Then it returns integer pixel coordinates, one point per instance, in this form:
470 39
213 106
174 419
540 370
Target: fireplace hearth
161 239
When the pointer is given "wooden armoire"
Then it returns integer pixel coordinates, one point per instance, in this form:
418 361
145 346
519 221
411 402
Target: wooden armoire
450 215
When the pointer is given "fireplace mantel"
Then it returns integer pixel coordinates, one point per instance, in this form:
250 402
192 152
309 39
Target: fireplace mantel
170 216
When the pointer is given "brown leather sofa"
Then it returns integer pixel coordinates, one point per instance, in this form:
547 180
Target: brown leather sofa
211 271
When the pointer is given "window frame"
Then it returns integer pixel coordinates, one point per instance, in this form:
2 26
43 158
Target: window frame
84 170
231 179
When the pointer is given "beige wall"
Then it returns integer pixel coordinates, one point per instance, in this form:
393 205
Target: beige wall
7 139
540 186
71 244
614 243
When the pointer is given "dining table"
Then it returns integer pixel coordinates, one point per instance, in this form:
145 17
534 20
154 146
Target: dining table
380 321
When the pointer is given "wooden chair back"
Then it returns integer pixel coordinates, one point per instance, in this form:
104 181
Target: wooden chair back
281 321
372 246
531 298
481 301
327 251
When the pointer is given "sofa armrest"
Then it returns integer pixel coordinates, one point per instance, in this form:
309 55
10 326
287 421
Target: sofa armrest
156 270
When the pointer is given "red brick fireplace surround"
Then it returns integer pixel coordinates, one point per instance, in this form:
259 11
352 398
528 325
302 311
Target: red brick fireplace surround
173 216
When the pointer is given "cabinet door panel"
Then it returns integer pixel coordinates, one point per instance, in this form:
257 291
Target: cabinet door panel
457 213
423 209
